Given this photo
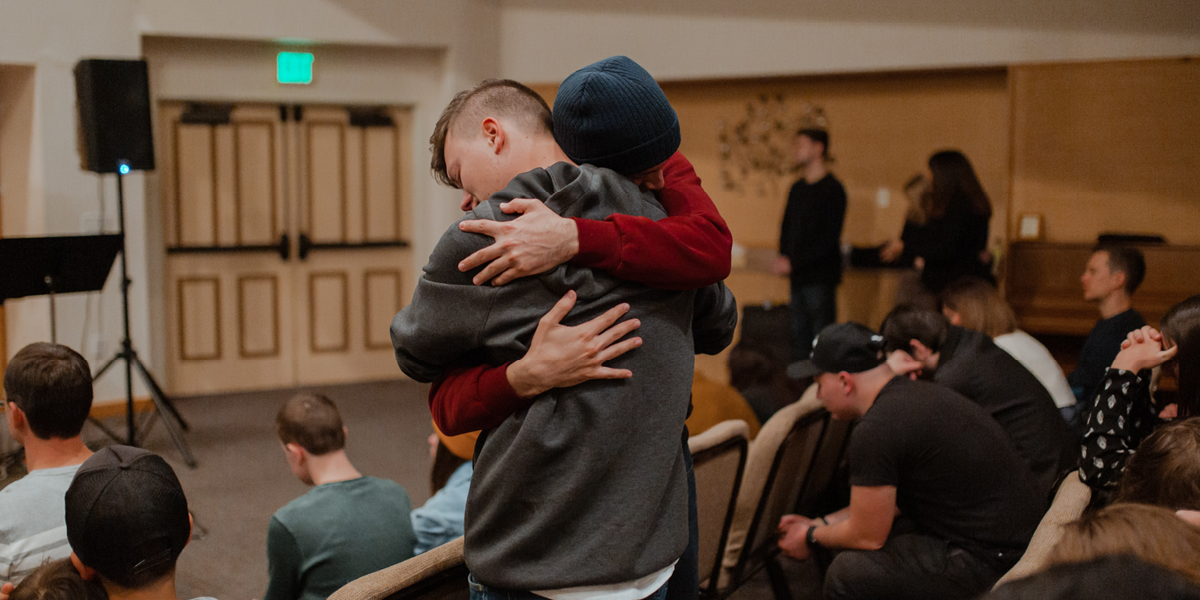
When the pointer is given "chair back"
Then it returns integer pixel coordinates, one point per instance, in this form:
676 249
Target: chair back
779 463
825 466
439 574
719 460
1072 498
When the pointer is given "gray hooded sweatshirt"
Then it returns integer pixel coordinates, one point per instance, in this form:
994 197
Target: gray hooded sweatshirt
586 486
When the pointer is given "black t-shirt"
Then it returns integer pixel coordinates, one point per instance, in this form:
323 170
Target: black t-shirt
956 474
973 365
1101 347
812 230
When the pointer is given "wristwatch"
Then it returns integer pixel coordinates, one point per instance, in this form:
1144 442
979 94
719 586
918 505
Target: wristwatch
812 541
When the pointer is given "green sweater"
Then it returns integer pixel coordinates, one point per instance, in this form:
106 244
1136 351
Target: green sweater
334 534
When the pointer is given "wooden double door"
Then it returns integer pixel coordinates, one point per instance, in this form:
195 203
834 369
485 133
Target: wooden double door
287 253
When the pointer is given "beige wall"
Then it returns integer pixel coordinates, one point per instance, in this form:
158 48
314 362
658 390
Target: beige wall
678 43
1108 147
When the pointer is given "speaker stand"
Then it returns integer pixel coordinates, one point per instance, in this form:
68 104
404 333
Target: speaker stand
166 412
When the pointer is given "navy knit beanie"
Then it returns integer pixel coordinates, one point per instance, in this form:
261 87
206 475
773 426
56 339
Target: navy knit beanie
612 114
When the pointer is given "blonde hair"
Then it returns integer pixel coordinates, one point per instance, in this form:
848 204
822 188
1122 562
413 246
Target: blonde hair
1152 533
980 306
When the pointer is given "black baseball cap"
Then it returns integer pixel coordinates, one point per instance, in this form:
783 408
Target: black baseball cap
848 347
126 514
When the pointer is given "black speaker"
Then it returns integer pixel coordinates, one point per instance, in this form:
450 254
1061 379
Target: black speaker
114 115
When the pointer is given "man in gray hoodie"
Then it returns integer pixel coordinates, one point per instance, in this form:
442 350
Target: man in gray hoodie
583 490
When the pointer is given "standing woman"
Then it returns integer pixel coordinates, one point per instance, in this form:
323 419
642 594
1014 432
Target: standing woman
950 238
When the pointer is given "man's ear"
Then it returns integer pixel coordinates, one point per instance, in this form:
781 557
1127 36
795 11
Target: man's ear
18 415
191 528
86 573
847 382
493 133
297 450
1120 277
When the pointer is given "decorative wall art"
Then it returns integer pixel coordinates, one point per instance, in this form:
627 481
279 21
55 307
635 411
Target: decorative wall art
757 149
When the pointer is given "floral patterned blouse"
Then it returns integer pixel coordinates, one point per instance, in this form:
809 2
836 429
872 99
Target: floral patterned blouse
1119 418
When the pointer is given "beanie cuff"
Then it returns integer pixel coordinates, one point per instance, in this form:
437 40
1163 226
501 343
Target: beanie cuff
640 158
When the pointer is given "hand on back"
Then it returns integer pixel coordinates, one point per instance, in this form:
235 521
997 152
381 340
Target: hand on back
533 243
563 356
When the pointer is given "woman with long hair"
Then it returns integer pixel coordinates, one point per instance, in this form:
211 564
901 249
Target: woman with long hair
946 232
973 303
1122 413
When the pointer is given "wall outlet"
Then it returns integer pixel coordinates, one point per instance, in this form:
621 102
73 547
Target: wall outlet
883 197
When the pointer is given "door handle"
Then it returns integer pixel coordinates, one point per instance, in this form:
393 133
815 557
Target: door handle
305 246
285 247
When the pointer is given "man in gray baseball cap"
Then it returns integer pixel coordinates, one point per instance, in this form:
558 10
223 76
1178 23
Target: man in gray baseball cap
967 504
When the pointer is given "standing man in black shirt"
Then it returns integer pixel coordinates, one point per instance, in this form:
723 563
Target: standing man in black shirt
810 241
1112 275
967 505
923 342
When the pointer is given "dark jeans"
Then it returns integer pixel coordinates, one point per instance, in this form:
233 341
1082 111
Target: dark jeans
916 566
483 592
814 306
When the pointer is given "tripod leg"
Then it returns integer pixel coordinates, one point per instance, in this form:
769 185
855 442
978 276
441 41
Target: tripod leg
162 406
157 392
107 366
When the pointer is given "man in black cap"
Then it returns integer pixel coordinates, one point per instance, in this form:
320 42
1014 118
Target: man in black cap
967 505
127 522
581 492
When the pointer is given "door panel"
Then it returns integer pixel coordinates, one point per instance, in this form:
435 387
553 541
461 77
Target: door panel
228 320
243 316
258 221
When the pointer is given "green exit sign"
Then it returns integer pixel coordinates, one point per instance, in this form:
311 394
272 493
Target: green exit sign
294 67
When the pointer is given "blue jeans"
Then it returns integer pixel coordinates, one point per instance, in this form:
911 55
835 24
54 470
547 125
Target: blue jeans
483 592
814 306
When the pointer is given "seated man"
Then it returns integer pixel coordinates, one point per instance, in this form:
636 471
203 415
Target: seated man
49 390
968 362
345 527
128 521
580 528
969 506
1113 274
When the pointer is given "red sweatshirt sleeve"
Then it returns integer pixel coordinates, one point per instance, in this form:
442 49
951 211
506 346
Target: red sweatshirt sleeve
472 399
687 250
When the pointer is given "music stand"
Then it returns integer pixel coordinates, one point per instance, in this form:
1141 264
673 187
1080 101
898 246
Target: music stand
48 266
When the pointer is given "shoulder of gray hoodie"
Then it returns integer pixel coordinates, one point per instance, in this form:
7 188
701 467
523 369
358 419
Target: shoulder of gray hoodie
587 484
447 321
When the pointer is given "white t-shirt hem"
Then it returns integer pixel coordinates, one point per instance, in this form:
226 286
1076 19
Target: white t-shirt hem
629 590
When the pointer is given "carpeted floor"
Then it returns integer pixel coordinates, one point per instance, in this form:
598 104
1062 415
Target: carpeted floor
242 478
